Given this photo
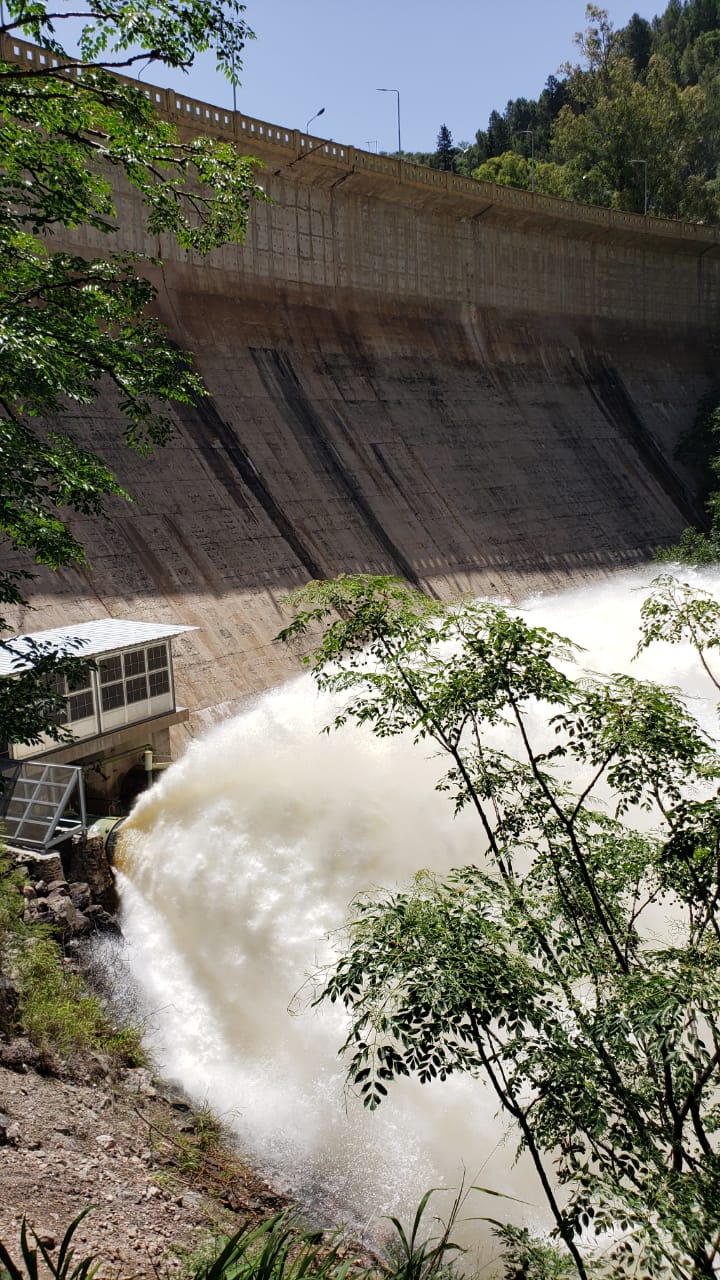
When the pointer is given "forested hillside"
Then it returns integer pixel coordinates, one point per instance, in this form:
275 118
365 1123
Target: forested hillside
634 123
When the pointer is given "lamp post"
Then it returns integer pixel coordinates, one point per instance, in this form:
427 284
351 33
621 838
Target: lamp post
644 163
397 91
532 155
461 153
372 142
321 112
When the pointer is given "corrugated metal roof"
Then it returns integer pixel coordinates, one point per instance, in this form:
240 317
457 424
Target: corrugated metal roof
103 636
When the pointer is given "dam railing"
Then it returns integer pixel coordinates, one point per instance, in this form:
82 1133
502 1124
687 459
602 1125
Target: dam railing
267 140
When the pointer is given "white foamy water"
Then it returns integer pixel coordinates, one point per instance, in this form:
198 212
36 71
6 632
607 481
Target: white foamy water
246 855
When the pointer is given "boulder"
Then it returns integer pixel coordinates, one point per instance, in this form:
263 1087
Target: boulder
63 915
80 895
102 920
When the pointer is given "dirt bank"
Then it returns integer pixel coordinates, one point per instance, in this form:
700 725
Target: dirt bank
159 1175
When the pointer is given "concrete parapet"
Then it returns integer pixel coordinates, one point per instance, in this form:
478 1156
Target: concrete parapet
395 179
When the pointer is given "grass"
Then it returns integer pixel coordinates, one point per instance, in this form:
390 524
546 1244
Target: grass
58 1014
195 1154
55 1010
281 1248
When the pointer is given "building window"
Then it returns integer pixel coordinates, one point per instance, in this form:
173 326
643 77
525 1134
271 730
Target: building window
112 695
134 676
81 705
112 690
136 689
134 662
159 682
157 657
110 669
79 699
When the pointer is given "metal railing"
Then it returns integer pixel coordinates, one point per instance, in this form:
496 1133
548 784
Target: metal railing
34 803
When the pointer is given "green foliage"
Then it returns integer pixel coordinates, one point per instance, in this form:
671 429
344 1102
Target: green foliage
37 1261
622 117
508 169
526 1257
445 149
197 1149
55 1009
58 1014
413 1255
278 1248
540 967
72 137
12 930
645 92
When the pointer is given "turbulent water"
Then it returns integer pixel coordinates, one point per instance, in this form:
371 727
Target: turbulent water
242 860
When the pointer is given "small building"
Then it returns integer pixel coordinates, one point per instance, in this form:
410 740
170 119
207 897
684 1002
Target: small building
120 720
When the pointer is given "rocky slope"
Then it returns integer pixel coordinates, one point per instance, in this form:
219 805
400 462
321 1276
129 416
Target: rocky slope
125 1146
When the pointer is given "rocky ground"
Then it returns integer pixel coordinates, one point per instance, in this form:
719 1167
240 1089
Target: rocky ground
130 1148
162 1178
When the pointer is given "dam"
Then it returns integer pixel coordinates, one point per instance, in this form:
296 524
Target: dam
476 388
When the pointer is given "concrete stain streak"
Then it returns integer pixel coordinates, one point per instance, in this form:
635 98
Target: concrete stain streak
235 462
302 417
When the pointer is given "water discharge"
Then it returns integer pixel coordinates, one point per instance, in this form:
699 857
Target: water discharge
246 855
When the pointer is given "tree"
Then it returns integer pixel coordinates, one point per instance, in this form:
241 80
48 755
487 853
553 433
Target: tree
508 170
71 134
652 119
498 135
635 42
541 967
513 170
445 150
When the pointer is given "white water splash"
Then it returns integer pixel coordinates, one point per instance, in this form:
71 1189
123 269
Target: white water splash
240 862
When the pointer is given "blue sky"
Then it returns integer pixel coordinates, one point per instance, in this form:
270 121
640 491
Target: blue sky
452 63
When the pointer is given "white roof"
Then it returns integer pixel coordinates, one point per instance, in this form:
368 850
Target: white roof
103 636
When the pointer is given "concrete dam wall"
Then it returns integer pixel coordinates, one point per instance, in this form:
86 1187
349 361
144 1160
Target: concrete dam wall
410 372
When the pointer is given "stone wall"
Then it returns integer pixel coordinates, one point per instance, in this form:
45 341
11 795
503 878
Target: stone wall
478 389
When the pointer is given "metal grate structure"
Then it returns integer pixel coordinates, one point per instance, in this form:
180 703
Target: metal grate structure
41 804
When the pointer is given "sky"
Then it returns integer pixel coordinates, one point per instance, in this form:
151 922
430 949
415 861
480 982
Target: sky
452 63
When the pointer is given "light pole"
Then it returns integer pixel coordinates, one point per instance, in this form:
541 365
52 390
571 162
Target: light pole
397 91
461 153
372 142
532 155
321 112
645 196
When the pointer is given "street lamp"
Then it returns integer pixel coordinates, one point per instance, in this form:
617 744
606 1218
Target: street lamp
321 112
645 197
532 155
234 85
461 153
397 91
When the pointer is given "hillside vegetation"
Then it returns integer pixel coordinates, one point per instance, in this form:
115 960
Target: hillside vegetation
633 124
